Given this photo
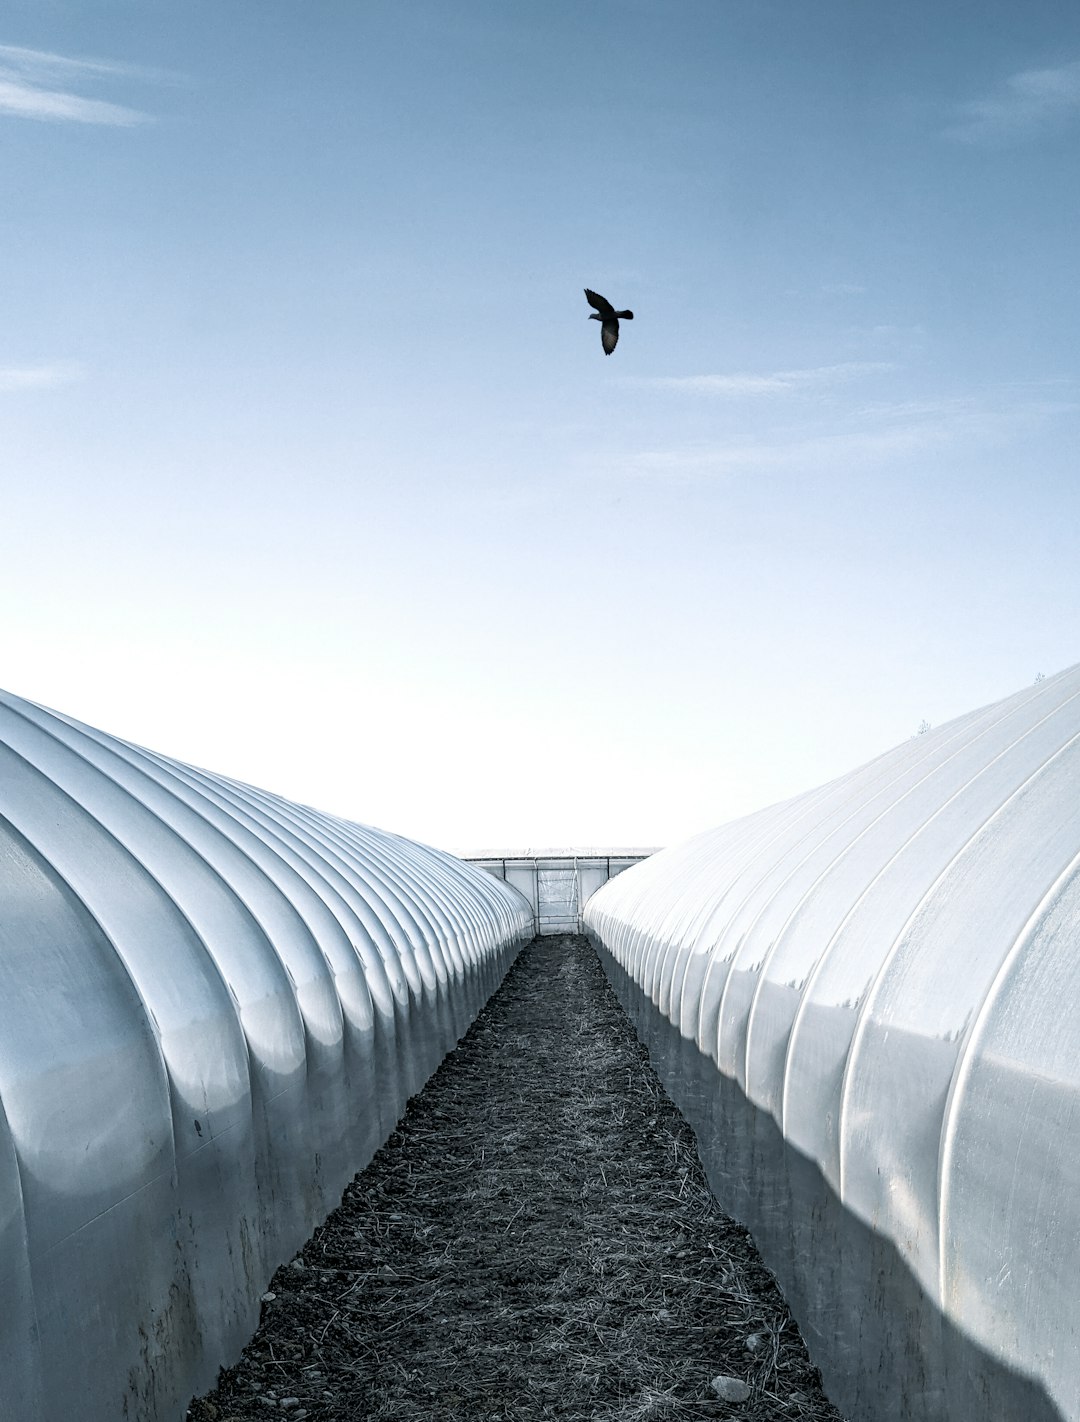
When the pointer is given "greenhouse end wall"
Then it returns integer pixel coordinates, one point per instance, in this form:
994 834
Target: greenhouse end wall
864 999
214 1005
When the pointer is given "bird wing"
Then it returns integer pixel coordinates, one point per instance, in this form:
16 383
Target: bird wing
609 334
598 303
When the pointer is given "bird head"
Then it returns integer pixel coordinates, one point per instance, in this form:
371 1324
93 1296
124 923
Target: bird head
596 316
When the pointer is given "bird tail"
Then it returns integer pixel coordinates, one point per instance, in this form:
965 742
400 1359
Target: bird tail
625 315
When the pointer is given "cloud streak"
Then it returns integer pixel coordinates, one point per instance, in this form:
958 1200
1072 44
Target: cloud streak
778 382
38 377
52 105
1030 102
872 436
37 84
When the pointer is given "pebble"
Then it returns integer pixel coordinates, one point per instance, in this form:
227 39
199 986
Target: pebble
288 1403
729 1388
266 1401
269 1298
755 1342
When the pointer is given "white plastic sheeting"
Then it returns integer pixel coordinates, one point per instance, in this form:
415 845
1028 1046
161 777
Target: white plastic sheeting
879 980
214 1005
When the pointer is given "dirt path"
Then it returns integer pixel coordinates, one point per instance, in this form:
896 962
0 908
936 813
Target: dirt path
535 1240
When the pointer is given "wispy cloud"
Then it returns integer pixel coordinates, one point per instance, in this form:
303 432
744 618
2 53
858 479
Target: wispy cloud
1029 103
870 437
37 84
39 377
44 61
27 101
777 382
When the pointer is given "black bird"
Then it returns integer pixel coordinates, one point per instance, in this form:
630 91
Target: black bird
609 319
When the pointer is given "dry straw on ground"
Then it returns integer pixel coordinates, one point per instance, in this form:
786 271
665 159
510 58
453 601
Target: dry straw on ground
536 1240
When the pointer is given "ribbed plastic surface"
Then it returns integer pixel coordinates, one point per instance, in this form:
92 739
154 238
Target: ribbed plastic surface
882 977
214 1005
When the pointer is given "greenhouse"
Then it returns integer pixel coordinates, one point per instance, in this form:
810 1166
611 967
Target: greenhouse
216 1006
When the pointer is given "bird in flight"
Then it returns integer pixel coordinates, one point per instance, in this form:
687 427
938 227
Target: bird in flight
609 319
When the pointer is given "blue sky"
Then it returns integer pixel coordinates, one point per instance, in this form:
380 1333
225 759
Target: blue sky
312 469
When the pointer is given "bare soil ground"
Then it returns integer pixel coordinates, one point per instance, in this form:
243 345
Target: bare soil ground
535 1240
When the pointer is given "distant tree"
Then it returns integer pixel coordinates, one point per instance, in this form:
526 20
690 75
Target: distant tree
924 726
1039 677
